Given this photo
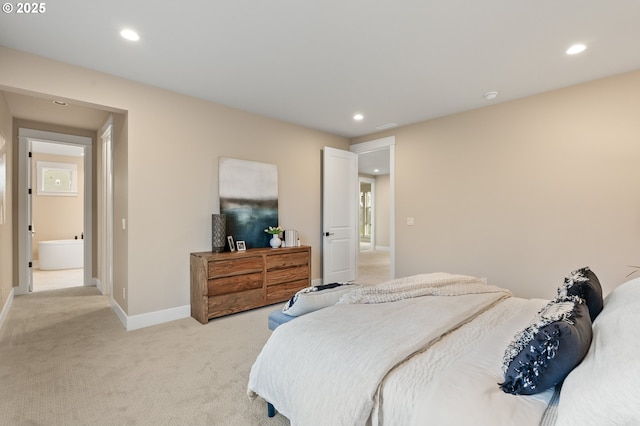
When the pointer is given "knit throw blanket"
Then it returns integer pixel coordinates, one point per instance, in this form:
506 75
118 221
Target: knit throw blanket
434 284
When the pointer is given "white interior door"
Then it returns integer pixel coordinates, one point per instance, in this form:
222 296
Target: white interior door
339 215
25 225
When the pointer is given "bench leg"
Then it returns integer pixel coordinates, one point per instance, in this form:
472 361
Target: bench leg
271 410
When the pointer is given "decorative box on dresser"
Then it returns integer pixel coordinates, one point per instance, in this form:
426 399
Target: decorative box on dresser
230 282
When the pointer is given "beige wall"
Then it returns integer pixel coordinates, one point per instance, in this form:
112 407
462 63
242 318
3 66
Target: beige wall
120 208
519 192
57 217
168 188
6 228
523 192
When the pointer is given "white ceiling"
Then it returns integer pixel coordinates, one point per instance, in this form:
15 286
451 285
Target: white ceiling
375 162
316 63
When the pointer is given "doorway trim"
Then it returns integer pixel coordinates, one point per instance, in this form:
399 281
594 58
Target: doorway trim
25 136
378 145
105 208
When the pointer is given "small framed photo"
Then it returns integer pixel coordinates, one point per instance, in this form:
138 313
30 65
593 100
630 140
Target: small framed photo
241 246
232 246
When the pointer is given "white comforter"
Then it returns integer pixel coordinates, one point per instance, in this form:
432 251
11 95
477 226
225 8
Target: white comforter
327 367
455 382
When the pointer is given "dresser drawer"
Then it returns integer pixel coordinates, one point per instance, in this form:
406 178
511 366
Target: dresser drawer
287 275
235 284
282 292
277 261
235 302
237 266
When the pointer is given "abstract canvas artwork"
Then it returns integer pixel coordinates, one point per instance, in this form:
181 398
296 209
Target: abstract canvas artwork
249 199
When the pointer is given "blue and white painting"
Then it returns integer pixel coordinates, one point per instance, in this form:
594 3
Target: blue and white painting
249 199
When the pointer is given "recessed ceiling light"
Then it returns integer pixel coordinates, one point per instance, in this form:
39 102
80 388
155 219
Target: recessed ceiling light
376 170
358 117
490 95
130 35
60 103
576 48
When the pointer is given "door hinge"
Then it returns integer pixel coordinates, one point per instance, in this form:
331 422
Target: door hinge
29 191
30 264
30 154
30 227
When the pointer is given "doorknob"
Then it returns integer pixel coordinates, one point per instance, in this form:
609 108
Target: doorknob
326 234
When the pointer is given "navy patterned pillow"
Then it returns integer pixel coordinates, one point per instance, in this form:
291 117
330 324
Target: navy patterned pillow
584 284
544 353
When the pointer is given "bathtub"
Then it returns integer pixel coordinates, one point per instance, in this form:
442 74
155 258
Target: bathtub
61 254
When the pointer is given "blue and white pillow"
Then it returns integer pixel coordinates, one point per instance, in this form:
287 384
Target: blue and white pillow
584 284
545 352
311 299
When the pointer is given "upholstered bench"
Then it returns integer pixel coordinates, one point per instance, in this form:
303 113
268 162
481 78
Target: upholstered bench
277 318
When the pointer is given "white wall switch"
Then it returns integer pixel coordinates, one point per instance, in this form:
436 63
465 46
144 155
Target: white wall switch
124 223
411 221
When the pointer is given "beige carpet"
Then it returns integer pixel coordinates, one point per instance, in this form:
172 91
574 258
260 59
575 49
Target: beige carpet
65 359
373 267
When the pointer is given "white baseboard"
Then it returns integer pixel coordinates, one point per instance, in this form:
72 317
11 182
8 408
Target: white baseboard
382 248
136 322
119 312
5 309
98 285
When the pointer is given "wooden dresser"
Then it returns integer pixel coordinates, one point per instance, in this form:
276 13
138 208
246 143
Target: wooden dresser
230 282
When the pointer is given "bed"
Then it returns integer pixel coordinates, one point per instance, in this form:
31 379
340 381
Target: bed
446 349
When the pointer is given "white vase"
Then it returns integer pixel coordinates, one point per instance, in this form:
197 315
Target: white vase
275 241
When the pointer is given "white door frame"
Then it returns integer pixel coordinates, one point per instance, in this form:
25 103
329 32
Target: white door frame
105 209
24 138
377 145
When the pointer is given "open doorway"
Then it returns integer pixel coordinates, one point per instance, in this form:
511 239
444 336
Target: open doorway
375 176
57 211
366 214
66 240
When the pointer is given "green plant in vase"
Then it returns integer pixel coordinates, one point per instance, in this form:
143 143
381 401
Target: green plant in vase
275 231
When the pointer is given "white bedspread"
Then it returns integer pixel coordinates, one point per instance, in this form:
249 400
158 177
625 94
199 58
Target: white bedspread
325 368
456 382
434 284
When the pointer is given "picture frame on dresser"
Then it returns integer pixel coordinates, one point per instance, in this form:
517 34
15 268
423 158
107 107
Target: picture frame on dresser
232 246
241 246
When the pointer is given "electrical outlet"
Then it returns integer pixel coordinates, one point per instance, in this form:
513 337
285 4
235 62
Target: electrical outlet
411 221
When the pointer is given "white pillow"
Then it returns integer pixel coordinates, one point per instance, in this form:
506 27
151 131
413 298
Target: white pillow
604 389
313 298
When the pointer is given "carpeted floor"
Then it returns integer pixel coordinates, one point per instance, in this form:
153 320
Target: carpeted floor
65 359
373 267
